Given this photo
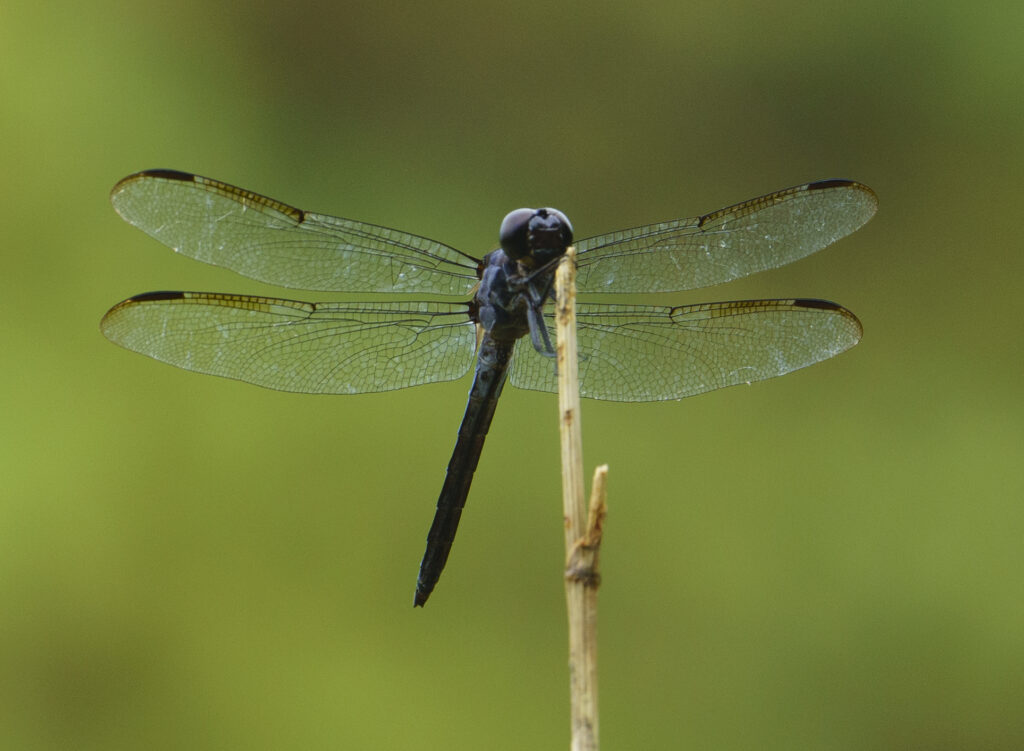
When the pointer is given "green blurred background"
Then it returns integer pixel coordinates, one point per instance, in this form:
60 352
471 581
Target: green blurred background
831 560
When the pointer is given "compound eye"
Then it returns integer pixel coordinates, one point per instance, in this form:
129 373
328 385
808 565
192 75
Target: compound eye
564 224
514 235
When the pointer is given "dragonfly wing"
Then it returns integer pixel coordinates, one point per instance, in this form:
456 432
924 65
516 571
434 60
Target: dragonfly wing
752 236
641 353
279 244
313 348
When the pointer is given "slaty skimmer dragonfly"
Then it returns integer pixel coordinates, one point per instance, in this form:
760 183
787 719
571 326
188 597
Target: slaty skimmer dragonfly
628 353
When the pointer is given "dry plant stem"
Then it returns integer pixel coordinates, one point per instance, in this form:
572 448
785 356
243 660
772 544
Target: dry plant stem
581 539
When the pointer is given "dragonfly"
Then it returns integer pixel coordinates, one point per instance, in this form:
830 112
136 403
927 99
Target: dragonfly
502 322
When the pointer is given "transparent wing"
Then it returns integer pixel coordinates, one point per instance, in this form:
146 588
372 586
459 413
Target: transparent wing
313 348
270 241
752 236
639 353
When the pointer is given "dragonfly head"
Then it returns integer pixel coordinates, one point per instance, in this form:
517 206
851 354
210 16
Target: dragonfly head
535 236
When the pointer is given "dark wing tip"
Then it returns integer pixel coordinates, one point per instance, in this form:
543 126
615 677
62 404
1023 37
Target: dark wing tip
144 297
841 183
151 296
831 183
809 302
165 174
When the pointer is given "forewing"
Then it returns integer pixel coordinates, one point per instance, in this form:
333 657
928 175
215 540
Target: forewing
752 236
634 353
273 242
313 348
